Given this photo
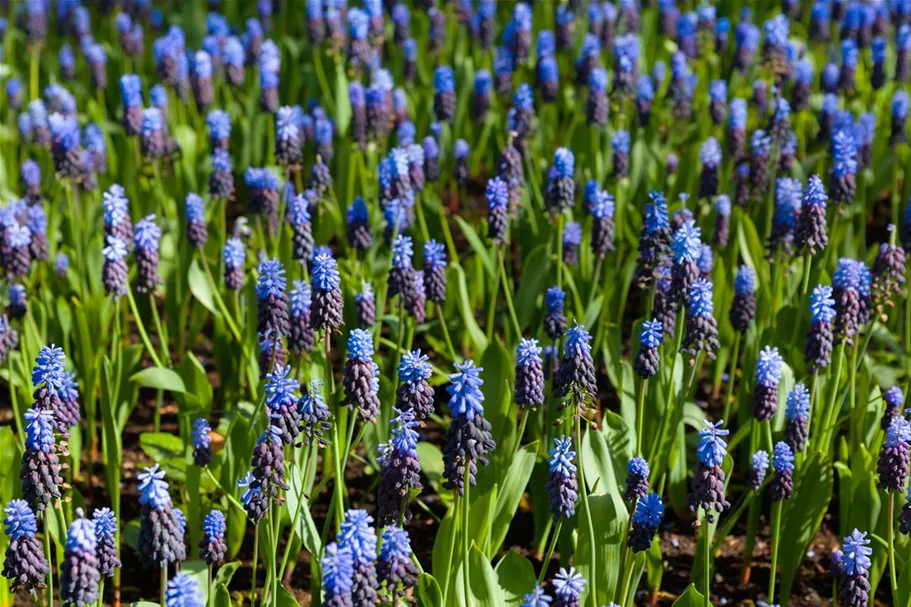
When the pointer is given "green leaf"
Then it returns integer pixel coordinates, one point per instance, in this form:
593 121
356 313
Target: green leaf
510 494
222 596
342 103
690 598
225 573
144 604
159 378
441 569
812 493
432 466
306 528
608 526
200 288
468 314
199 571
516 577
484 586
535 274
283 598
428 591
161 446
478 246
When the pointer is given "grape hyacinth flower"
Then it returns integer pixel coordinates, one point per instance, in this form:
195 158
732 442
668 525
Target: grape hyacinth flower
358 125
271 298
320 177
853 581
894 400
14 94
221 180
529 388
687 248
152 142
620 145
803 83
637 473
742 184
562 485
844 151
65 148
537 597
131 98
434 273
887 273
847 284
357 535
105 528
395 567
568 588
572 239
645 522
281 403
901 105
461 151
811 222
598 106
160 540
767 377
9 338
718 100
358 377
797 416
648 358
760 147
602 211
212 548
655 238
300 337
364 306
431 159
743 309
40 464
895 456
414 394
904 517
114 272
263 192
497 194
468 439
444 98
36 222
267 464
183 591
147 237
25 564
783 464
298 217
401 273
201 80
219 124
338 573
288 140
327 306
576 374
79 575
561 188
357 219
18 302
710 157
97 60
19 257
315 415
234 256
521 117
197 234
30 172
50 381
202 449
645 95
400 470
820 338
707 490
759 466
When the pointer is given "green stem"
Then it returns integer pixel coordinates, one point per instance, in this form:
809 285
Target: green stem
446 337
627 580
525 415
466 541
507 292
142 331
162 334
707 562
776 533
830 414
586 512
164 585
550 551
731 374
255 557
50 560
893 580
640 416
456 508
492 309
297 511
769 443
227 494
